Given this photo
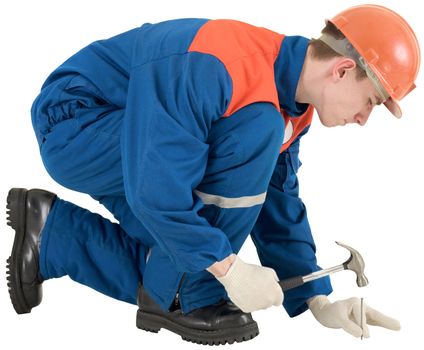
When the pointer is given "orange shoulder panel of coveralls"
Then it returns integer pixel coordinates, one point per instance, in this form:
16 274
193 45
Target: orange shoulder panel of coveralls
248 53
295 125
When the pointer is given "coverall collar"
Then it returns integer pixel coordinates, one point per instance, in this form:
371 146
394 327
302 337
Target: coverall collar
287 69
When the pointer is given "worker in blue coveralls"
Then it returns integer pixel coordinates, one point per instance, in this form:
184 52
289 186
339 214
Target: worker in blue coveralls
188 132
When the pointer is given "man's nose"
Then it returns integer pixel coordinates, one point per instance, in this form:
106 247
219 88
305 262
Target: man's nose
362 117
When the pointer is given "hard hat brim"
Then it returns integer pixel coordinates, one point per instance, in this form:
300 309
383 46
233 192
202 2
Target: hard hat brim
394 107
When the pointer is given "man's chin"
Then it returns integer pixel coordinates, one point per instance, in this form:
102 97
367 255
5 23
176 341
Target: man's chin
325 122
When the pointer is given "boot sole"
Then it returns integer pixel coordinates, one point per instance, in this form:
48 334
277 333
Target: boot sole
154 323
16 212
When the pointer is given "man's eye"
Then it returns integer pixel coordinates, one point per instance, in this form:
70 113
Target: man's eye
370 102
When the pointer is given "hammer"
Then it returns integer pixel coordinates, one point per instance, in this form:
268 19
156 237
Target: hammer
355 263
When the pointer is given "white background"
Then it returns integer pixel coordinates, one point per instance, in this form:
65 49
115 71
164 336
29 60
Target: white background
361 185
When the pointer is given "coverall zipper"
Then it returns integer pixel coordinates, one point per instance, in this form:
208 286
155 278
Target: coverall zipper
177 295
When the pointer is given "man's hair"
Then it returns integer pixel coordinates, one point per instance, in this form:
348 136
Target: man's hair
322 51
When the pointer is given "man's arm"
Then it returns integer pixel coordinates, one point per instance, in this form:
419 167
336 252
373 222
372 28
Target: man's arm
171 105
282 234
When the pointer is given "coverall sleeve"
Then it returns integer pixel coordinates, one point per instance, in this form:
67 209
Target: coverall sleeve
282 234
172 103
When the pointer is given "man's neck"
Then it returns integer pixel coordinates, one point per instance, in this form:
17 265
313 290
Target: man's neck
308 79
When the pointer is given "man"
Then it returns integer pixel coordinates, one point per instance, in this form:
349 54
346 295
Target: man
188 132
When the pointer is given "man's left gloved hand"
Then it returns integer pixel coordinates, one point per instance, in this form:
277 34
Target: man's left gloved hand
346 314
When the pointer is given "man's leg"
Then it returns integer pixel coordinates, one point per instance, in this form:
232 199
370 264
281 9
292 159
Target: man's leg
54 238
78 135
91 250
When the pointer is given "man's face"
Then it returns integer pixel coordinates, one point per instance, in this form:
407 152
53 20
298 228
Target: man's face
346 100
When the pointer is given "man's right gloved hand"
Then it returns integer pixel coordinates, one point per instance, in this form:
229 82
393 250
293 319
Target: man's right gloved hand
251 287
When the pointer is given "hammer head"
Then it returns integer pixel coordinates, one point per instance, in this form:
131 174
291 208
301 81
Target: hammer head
356 264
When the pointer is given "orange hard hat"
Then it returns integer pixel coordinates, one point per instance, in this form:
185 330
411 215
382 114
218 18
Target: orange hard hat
388 48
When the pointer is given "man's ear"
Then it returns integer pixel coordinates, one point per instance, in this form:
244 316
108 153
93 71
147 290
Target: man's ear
341 66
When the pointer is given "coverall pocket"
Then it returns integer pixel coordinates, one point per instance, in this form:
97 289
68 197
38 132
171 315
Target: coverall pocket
294 160
291 165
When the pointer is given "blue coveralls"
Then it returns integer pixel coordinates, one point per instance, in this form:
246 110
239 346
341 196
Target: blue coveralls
135 122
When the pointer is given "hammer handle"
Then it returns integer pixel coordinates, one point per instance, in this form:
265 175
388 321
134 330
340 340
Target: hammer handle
297 281
291 283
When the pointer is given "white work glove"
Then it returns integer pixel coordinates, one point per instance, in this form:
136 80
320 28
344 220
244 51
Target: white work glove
251 287
346 314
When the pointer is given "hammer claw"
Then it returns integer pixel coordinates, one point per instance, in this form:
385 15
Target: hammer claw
355 263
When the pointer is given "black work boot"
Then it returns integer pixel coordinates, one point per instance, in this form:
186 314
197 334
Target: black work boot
215 324
27 213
